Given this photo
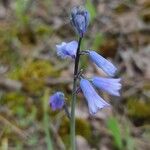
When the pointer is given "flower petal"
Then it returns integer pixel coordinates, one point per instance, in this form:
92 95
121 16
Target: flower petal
71 48
60 49
95 102
110 85
67 50
102 63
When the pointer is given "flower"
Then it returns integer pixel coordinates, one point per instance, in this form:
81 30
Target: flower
103 63
67 50
110 85
95 102
80 19
57 101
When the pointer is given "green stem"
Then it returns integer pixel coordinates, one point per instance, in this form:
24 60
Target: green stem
73 102
46 121
46 128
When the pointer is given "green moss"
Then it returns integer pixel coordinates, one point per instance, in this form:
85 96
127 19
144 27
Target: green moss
82 128
26 35
122 8
14 96
138 108
15 101
8 55
34 74
43 30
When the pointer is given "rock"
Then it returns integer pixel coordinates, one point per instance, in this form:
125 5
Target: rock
82 144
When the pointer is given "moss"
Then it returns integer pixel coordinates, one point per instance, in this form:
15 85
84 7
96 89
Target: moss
43 30
33 75
26 35
14 100
145 15
13 96
64 127
8 55
138 108
121 8
82 128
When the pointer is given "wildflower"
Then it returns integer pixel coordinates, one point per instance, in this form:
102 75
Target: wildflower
57 101
67 50
80 19
110 85
95 102
103 63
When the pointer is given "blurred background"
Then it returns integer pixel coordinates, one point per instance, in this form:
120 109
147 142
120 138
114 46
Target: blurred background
30 71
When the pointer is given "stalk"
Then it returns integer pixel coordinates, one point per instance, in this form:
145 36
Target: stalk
73 102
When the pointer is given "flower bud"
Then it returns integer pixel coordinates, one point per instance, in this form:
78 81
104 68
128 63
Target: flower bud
80 19
57 101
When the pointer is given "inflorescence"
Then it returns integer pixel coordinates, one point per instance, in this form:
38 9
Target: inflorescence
80 21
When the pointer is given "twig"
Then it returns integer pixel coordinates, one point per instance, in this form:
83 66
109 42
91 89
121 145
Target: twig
10 84
13 127
56 81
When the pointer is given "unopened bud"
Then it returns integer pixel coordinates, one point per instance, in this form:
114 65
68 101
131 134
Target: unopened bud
80 19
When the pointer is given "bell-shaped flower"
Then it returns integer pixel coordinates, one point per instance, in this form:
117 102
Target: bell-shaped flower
102 63
80 19
57 101
67 50
109 85
95 102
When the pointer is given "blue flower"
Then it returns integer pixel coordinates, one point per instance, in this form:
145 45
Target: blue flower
67 50
80 19
57 101
95 102
110 85
102 63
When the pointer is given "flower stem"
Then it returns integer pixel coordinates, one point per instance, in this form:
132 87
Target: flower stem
73 102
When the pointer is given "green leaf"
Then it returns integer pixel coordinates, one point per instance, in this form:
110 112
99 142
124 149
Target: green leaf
113 126
129 140
46 120
90 7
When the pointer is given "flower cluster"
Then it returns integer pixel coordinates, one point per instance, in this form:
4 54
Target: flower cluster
80 21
